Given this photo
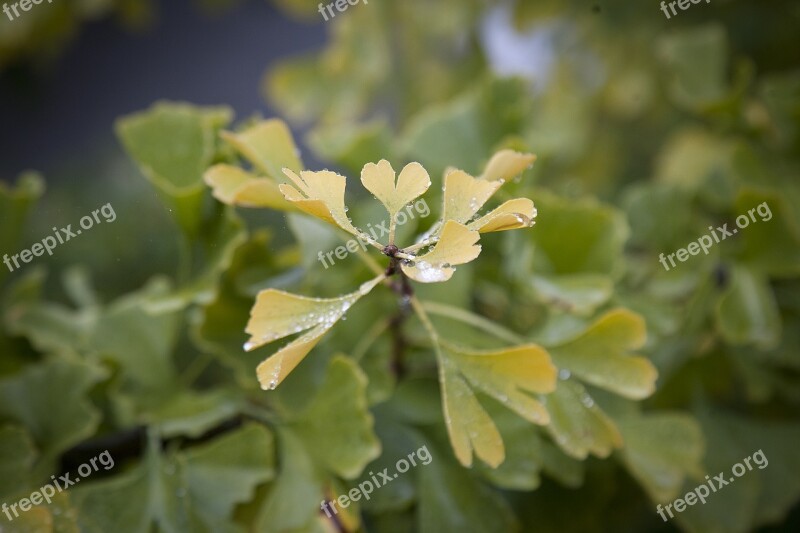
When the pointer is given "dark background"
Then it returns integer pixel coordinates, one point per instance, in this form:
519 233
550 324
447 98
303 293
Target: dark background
62 112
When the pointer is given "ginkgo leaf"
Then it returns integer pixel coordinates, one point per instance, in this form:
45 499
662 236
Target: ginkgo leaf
506 164
662 450
464 195
468 424
340 405
599 355
506 375
379 179
277 314
513 214
268 145
320 194
234 186
577 424
456 246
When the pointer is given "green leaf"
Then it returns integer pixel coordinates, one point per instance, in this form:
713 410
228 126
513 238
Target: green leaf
220 326
747 312
192 491
764 493
340 409
579 294
192 414
661 451
225 472
398 440
465 131
173 144
452 499
696 60
353 145
50 327
600 356
577 424
139 341
15 203
50 400
660 214
576 274
597 235
292 501
17 454
221 232
771 244
523 446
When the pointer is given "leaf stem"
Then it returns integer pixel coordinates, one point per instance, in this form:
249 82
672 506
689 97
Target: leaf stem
419 245
392 228
369 338
473 320
426 322
196 368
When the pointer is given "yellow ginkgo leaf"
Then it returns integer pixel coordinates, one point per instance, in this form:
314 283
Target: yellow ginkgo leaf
468 424
277 314
234 186
600 355
269 146
506 164
320 194
507 375
456 246
513 214
379 179
464 195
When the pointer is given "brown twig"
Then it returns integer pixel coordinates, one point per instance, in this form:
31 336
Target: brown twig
401 286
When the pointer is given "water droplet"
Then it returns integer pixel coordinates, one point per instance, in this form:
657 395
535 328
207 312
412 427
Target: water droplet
249 346
587 400
564 374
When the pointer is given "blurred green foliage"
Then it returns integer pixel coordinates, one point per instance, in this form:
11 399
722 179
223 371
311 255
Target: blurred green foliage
648 131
